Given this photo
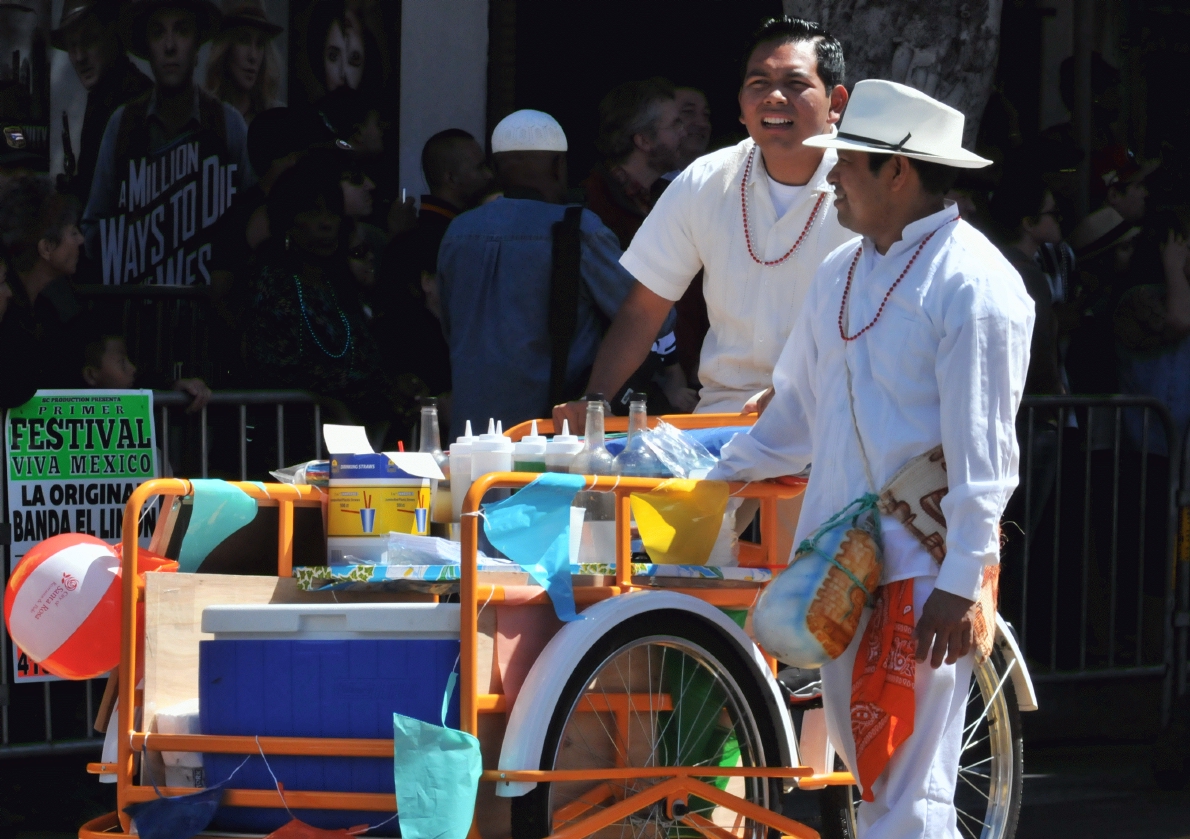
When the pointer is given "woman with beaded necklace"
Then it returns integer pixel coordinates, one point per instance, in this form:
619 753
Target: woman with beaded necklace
304 325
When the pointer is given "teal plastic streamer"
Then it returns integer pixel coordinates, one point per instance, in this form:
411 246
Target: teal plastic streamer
220 509
532 528
436 771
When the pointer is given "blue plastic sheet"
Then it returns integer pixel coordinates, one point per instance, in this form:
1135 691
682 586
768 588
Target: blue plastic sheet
436 771
220 509
178 816
532 528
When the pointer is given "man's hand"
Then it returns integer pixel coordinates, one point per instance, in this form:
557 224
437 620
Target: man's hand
198 389
575 413
759 402
402 216
946 625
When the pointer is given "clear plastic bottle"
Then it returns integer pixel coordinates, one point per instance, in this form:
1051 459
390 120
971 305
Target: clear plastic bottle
431 441
593 458
637 459
597 542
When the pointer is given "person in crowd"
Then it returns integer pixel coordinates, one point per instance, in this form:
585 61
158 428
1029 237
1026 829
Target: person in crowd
304 326
106 365
167 34
361 260
1025 215
501 278
88 32
1151 323
640 136
1103 243
38 333
1118 181
243 68
409 309
906 334
696 120
773 190
641 131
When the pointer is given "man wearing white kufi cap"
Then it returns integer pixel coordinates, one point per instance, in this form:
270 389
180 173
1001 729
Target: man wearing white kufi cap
515 271
912 346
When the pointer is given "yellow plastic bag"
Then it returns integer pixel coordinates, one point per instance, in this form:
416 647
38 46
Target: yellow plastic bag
680 520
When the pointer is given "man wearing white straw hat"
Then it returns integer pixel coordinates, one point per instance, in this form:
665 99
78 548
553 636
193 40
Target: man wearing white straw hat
911 348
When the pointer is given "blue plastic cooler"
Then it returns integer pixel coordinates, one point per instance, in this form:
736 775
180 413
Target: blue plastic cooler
335 670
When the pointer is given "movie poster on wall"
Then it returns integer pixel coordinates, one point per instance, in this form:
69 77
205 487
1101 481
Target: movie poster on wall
150 216
24 82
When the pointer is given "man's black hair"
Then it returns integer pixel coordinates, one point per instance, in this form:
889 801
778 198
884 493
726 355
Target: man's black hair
346 109
1019 196
936 179
436 157
786 29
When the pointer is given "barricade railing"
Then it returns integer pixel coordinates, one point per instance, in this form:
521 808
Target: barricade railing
239 435
167 328
1078 582
1089 565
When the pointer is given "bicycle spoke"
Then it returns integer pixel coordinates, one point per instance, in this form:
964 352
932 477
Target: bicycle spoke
970 818
987 706
971 766
967 781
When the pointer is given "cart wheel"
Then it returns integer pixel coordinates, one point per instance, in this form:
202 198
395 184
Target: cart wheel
991 768
660 689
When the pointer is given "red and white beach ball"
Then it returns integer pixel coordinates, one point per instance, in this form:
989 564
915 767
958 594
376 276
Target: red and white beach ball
63 606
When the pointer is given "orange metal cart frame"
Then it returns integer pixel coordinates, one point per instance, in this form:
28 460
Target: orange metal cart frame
675 783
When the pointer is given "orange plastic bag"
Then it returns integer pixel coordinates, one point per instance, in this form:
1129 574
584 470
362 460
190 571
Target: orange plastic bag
298 829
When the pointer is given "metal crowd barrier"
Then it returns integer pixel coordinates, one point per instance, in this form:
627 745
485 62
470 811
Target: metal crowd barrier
239 435
1089 574
167 328
1076 588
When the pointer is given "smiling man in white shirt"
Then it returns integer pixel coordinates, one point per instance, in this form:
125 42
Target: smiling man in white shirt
912 337
756 217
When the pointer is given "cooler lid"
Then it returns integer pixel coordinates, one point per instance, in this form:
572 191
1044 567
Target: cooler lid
333 621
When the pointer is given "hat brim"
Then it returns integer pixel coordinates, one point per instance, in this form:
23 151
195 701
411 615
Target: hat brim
207 15
958 158
267 27
1105 243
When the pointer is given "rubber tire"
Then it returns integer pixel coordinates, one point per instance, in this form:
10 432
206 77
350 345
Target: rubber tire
530 812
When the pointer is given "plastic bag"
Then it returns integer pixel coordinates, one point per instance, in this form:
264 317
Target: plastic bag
312 472
409 549
808 615
681 454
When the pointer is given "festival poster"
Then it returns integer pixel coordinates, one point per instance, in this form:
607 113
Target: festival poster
73 459
344 44
24 78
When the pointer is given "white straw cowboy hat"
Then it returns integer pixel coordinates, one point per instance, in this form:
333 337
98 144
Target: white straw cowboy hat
889 118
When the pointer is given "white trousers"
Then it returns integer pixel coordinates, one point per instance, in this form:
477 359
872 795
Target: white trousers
915 793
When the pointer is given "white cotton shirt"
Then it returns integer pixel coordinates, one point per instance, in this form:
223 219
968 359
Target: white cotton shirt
784 196
698 224
945 364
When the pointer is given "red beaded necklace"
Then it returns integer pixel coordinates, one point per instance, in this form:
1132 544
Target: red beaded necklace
851 275
744 207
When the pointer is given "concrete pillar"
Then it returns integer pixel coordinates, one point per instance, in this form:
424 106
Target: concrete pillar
444 68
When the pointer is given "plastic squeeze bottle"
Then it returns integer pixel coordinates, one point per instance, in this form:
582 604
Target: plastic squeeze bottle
491 452
637 460
561 449
529 454
460 470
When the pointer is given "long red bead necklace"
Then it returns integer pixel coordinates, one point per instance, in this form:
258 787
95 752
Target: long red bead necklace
748 235
851 275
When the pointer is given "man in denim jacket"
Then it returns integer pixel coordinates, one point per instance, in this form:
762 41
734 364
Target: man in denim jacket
495 267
